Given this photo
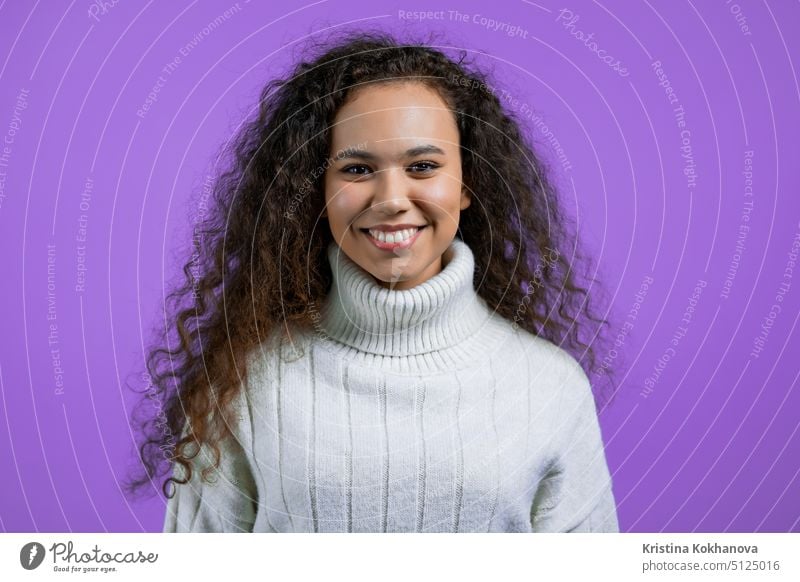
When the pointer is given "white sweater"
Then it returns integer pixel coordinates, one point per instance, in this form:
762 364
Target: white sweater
407 411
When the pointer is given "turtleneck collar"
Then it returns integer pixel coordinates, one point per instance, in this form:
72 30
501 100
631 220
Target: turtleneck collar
436 320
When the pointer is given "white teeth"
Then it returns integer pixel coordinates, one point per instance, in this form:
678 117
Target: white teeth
393 237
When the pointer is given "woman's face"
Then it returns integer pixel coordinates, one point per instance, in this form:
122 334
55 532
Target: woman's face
393 189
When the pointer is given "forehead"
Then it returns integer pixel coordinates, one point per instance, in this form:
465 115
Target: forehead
386 114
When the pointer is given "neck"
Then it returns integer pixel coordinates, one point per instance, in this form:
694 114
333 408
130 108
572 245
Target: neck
441 314
432 270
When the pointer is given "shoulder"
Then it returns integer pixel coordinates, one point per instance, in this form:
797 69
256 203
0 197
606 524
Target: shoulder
264 361
556 378
551 361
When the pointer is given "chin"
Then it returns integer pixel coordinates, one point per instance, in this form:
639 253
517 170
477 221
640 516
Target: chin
388 279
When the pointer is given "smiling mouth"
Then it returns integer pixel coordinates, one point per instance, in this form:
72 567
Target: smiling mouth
399 239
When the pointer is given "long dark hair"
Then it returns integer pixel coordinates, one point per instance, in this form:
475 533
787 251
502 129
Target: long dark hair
259 259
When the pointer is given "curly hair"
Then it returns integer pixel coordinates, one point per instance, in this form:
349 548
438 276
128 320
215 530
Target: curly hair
259 261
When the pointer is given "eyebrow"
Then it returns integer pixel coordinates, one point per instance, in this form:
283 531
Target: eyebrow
409 153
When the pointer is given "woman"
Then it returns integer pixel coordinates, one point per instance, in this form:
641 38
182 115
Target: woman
373 340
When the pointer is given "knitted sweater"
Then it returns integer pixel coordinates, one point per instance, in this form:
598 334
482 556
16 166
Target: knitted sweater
416 410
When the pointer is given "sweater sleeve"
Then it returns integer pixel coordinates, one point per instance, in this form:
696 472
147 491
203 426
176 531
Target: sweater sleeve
226 502
576 493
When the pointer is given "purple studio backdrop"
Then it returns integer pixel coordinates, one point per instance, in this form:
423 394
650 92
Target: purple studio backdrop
671 128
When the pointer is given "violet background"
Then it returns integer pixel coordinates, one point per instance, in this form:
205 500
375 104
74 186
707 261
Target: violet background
713 448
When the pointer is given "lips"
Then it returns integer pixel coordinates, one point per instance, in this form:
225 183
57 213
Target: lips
393 236
393 227
395 239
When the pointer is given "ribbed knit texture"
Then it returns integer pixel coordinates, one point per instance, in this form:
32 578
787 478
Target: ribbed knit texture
407 411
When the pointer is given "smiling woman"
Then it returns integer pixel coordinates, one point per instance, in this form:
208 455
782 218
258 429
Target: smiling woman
396 212
386 331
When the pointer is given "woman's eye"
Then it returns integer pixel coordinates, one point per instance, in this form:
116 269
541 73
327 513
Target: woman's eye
419 167
430 166
348 168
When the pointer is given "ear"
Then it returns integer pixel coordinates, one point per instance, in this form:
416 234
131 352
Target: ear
466 198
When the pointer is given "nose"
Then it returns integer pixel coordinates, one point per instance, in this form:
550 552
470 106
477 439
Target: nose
393 192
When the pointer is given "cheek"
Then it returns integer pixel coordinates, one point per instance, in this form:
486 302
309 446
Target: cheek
343 208
442 200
